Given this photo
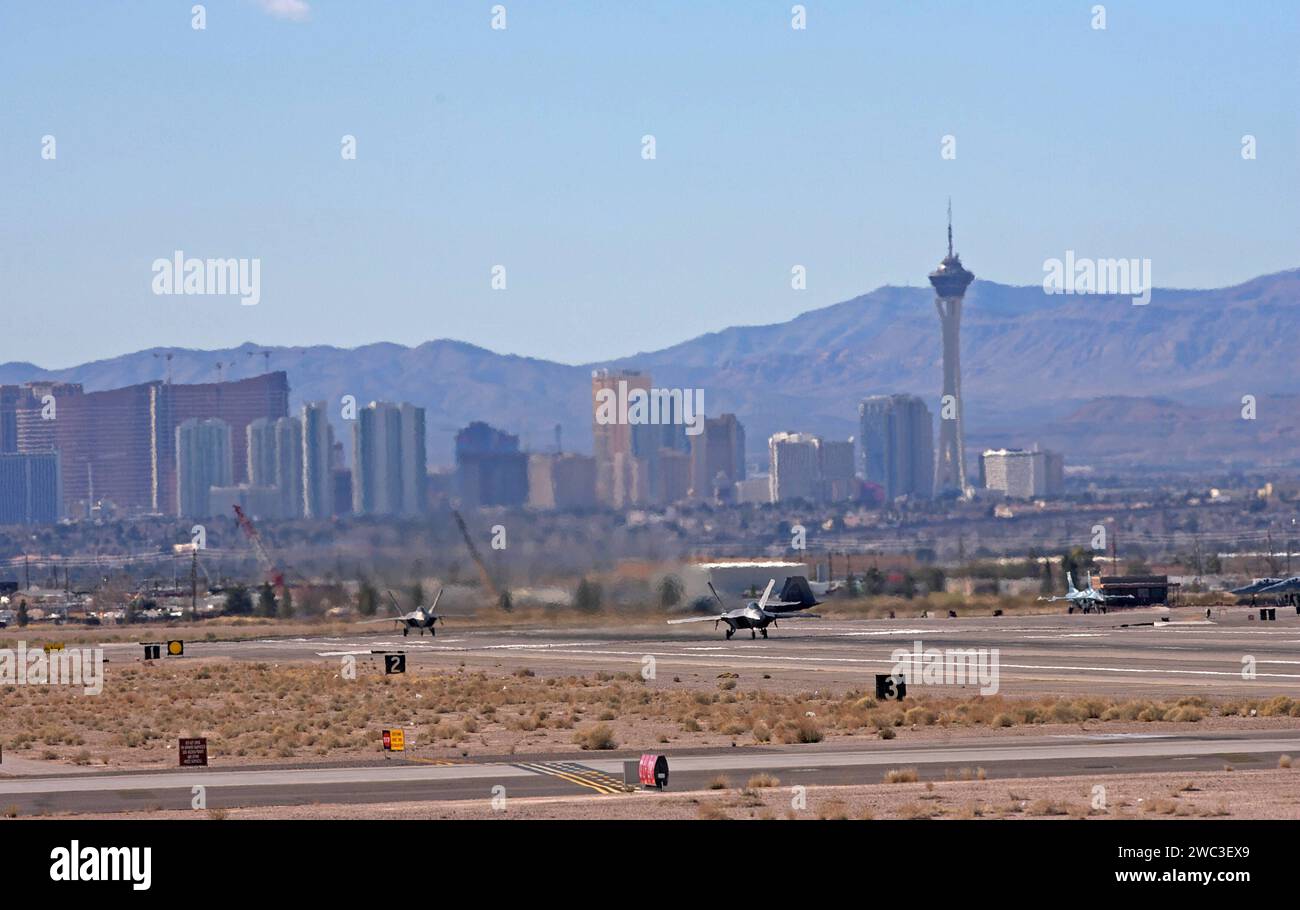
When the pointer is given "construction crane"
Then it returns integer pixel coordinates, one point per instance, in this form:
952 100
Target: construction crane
484 576
273 575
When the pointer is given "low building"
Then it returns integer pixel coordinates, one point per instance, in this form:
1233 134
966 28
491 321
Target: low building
561 481
1021 473
1146 590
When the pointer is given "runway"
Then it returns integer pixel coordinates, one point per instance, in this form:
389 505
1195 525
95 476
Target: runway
1122 654
598 777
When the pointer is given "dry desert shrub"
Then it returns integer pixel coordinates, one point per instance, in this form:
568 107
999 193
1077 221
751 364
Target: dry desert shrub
902 776
596 738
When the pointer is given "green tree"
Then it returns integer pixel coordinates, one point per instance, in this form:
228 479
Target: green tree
266 601
367 599
22 614
874 582
588 596
238 601
286 605
670 591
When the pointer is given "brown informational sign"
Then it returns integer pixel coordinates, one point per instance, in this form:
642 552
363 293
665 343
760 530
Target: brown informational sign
193 753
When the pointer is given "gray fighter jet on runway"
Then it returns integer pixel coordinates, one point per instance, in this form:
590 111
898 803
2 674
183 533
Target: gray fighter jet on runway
1089 599
757 615
420 618
1258 585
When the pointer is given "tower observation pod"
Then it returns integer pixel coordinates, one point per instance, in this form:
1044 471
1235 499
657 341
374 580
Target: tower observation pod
950 281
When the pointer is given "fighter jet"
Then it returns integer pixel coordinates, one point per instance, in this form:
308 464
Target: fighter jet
1288 589
420 618
1089 598
1258 585
757 615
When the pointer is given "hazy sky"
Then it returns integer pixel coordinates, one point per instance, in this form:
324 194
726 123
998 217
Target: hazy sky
523 147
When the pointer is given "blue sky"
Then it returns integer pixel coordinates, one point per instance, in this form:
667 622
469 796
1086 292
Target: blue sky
522 147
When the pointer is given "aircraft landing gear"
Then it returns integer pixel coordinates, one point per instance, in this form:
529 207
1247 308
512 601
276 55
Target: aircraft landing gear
753 634
764 631
406 630
730 632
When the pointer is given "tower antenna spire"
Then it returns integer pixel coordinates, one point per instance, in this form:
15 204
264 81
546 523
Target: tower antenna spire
950 227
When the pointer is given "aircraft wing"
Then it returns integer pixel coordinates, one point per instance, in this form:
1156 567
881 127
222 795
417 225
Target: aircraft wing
403 618
794 615
674 622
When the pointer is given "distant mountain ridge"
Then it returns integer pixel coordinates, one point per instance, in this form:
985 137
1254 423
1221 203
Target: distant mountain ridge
1084 374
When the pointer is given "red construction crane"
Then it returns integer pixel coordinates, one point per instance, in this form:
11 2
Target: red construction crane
273 574
484 576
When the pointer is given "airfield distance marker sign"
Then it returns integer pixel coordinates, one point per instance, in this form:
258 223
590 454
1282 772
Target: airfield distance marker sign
395 662
152 650
888 686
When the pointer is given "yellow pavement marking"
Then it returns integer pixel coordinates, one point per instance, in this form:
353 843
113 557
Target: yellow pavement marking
576 774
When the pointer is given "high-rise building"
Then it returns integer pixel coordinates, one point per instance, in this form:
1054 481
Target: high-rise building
342 491
717 456
490 469
612 444
950 281
795 467
670 479
204 460
317 461
414 461
237 404
838 473
104 441
896 434
1021 474
377 460
1054 467
117 447
11 396
30 491
275 454
288 466
262 453
808 467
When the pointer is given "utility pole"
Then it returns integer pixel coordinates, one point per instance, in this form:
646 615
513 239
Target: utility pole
194 579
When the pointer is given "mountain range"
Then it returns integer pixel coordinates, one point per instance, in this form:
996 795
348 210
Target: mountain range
1107 382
